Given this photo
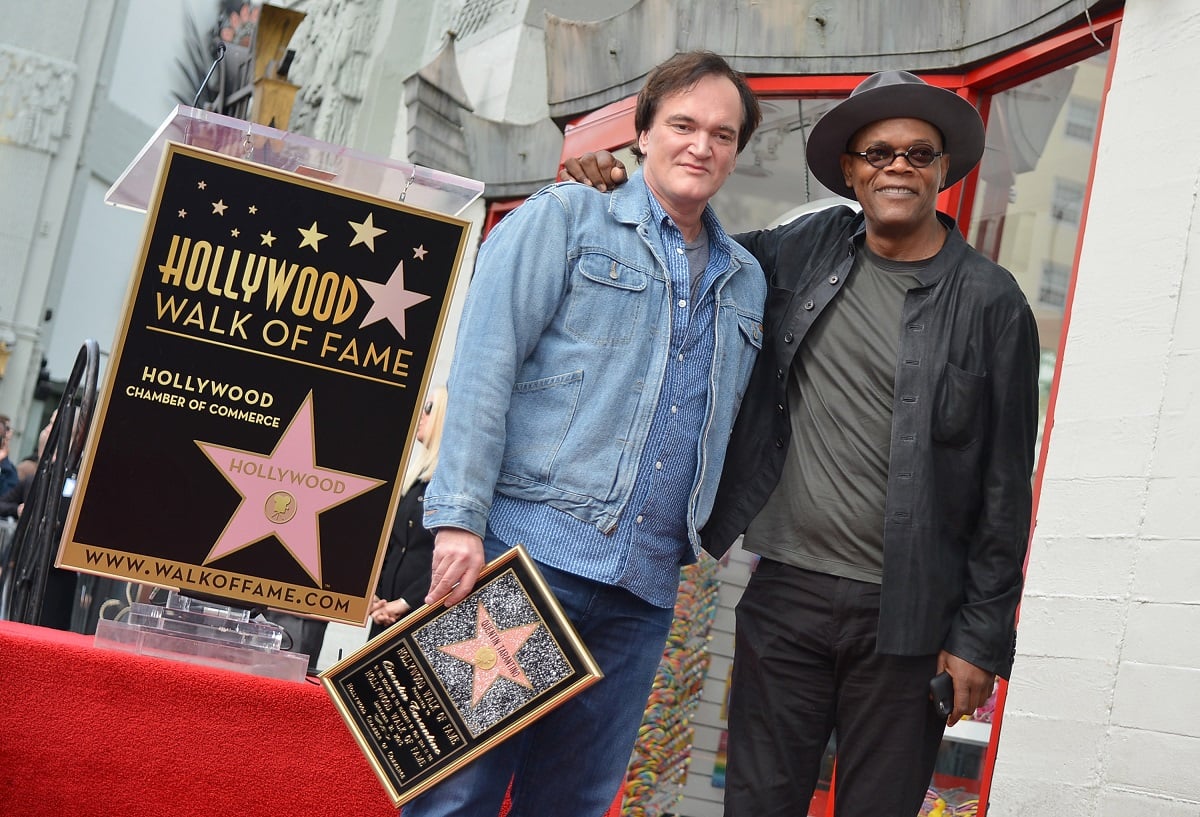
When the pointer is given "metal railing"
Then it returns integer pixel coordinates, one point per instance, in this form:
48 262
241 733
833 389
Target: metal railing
29 562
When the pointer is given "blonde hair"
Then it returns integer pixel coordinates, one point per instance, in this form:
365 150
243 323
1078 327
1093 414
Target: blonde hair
424 460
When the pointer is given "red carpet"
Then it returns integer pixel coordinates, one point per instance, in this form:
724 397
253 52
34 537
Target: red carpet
93 732
87 732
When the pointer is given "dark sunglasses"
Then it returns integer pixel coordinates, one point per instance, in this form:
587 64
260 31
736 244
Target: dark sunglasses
880 156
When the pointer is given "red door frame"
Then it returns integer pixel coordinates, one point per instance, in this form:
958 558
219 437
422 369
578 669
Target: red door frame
612 127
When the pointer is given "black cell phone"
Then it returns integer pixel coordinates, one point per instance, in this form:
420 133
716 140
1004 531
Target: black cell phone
941 692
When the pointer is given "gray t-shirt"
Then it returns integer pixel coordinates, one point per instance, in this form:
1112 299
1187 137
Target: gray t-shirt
697 256
826 514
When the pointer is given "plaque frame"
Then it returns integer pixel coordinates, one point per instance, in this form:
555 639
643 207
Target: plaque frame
367 690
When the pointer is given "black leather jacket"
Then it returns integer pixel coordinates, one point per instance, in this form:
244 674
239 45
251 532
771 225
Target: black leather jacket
965 414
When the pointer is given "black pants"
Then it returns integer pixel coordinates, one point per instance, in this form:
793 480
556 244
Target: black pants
804 665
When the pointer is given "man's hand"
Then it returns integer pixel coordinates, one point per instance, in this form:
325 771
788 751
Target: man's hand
457 560
600 170
972 685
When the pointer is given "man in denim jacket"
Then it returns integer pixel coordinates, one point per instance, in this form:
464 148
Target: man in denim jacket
603 352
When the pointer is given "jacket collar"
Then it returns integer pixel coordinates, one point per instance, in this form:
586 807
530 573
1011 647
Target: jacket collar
946 260
629 203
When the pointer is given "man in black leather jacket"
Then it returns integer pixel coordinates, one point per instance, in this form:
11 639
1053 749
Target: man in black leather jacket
880 466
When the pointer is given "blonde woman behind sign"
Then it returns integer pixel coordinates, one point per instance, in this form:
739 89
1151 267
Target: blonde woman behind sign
406 565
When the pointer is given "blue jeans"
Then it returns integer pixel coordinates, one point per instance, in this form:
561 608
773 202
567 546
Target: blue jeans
573 760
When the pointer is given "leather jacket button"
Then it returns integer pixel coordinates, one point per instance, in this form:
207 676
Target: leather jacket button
809 305
779 442
833 279
779 408
779 374
788 337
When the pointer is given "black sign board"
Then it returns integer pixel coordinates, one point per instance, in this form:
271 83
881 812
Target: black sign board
278 338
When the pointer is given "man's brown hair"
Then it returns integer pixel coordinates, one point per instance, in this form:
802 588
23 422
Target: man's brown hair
680 73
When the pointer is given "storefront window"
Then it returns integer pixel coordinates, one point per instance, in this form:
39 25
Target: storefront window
1032 182
1081 119
772 183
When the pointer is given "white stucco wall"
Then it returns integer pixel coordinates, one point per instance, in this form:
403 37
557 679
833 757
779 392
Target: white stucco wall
87 301
1101 716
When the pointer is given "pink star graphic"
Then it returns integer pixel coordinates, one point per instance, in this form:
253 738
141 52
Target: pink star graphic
493 653
283 493
391 300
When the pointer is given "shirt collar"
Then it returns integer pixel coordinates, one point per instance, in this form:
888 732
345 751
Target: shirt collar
717 237
945 260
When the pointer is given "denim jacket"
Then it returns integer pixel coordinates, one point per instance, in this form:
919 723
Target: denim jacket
561 355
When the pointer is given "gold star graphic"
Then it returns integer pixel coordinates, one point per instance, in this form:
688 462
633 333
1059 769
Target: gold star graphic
365 232
493 653
183 213
235 232
420 252
267 239
202 185
311 237
219 207
253 209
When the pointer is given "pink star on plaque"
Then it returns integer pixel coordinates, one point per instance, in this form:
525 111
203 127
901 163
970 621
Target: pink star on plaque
493 653
391 300
283 493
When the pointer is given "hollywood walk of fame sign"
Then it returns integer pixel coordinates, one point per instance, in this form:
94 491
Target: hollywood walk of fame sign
444 685
277 341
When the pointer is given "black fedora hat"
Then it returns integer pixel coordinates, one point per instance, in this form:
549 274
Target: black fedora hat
893 95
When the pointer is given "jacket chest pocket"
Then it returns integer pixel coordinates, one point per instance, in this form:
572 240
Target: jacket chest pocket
606 301
959 412
750 335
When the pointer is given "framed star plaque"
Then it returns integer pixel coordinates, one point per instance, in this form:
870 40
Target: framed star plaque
444 685
259 401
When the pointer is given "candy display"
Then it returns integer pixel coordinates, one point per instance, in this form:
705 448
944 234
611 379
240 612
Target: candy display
949 803
658 767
